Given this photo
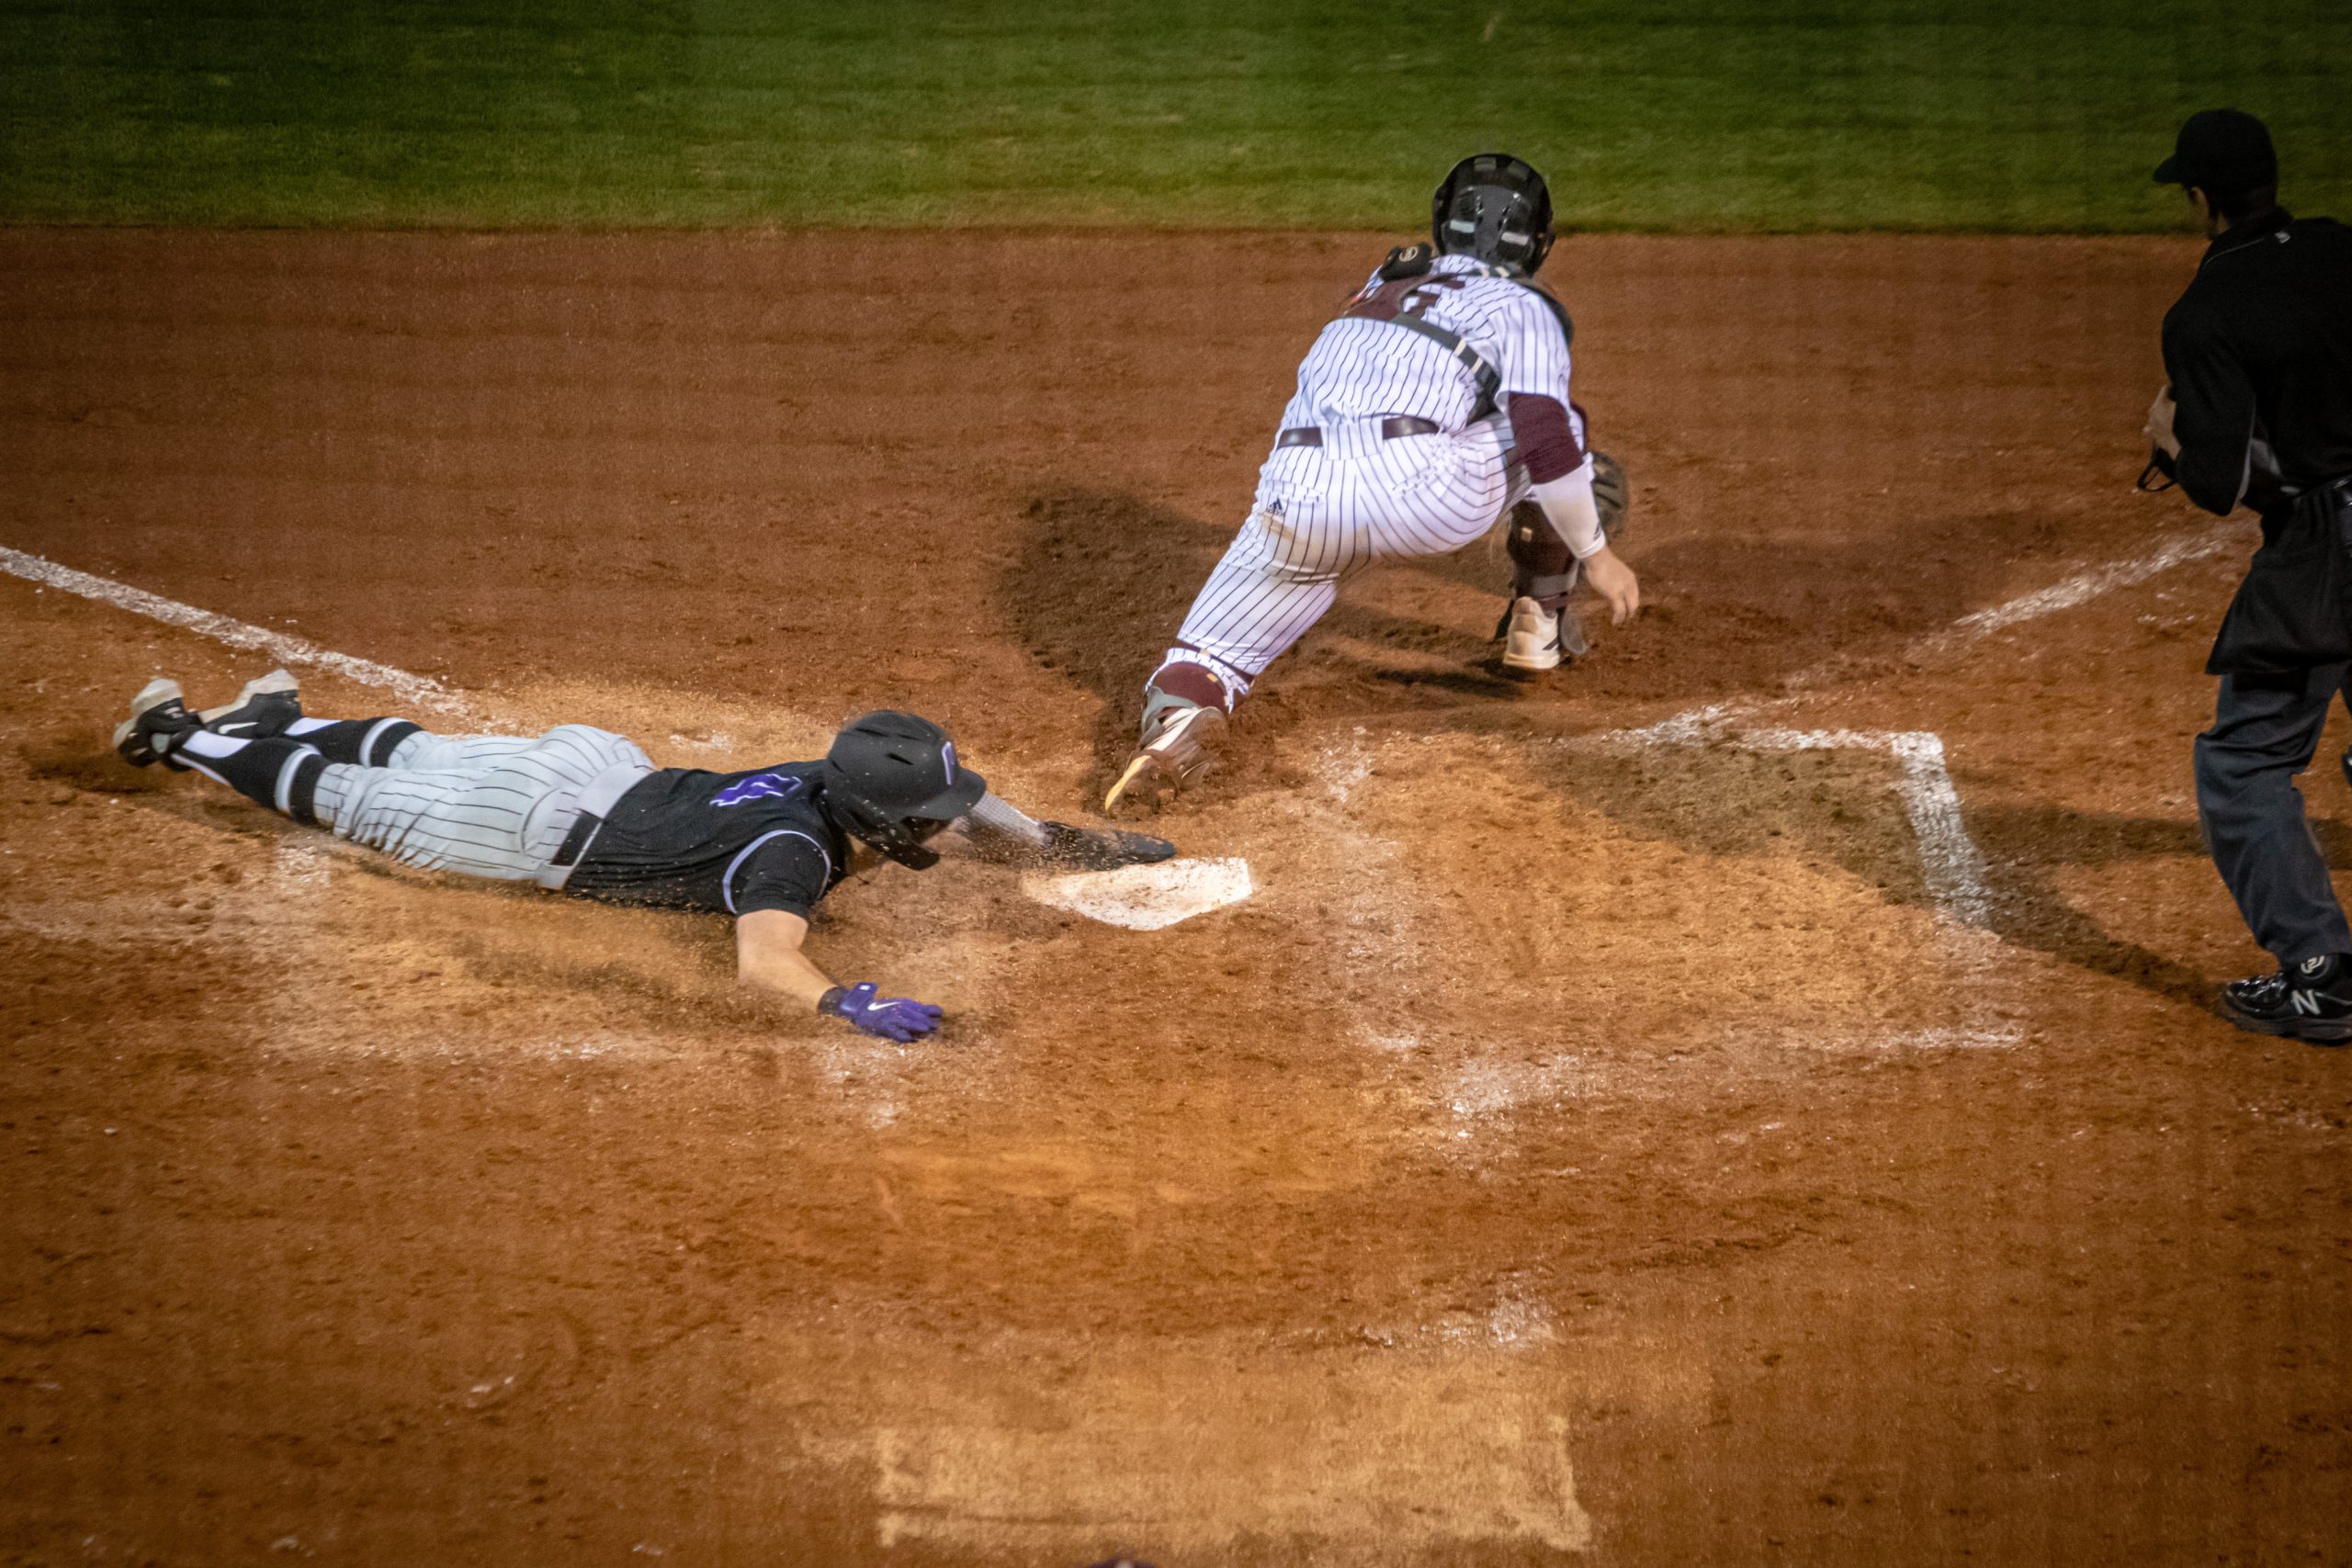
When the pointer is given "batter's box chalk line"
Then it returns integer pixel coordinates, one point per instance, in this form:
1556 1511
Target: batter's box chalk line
1958 881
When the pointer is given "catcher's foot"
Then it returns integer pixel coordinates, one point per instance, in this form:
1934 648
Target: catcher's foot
2311 1001
1177 748
1535 640
265 708
159 720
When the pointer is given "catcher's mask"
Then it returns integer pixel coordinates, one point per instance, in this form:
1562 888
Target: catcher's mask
1495 207
891 780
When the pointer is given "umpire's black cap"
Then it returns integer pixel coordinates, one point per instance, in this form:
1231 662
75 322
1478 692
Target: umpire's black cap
2224 153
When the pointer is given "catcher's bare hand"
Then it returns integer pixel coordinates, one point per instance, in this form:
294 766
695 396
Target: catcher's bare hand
1615 582
2159 426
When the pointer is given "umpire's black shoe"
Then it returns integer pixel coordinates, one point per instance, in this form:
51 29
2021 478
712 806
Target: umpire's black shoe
2311 1001
265 708
158 723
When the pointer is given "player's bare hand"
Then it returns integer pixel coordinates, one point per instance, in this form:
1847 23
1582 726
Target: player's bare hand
2159 426
1615 582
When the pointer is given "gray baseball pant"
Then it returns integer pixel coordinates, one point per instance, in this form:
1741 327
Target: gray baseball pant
2266 728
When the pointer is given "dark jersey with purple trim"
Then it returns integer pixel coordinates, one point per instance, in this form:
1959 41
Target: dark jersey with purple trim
684 839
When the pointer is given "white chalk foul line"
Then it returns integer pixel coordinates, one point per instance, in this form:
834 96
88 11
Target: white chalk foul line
2086 586
421 690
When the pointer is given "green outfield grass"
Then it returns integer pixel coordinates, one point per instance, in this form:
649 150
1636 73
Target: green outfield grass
1684 115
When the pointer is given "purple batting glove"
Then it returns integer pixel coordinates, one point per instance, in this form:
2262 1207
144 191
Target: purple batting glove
893 1018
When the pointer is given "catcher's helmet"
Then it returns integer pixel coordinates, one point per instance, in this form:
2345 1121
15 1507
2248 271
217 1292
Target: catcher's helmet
891 780
1495 207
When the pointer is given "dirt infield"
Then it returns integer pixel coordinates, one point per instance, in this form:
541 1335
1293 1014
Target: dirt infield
1700 1145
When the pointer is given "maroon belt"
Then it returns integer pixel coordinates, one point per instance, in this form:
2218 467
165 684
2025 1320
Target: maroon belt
1394 426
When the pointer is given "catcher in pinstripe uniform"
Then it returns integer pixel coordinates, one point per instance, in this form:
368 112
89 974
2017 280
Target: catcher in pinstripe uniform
1434 404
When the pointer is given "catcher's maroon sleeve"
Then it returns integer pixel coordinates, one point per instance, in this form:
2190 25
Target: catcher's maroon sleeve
1546 441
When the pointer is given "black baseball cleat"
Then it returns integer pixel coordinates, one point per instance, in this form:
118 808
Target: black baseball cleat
2311 1001
265 708
159 720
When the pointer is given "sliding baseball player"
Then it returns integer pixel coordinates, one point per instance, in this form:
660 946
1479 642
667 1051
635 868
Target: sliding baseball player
584 811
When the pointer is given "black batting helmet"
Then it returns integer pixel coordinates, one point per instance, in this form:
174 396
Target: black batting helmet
1495 207
891 780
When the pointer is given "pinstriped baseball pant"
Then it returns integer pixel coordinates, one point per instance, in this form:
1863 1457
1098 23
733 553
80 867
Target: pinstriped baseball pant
489 805
1325 513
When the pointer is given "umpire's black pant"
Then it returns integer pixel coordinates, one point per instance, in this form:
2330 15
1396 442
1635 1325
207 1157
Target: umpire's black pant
2266 728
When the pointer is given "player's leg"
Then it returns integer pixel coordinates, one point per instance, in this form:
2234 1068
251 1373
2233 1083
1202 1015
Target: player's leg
495 807
1464 485
1538 630
1481 476
1279 576
271 707
501 815
2264 729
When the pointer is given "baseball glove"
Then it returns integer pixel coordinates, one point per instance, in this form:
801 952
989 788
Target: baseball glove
1611 497
1099 849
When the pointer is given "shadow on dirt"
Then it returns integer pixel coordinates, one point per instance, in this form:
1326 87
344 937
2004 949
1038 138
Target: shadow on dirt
1839 810
1102 579
2025 845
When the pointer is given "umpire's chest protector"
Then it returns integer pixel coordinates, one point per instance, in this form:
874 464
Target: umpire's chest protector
2294 609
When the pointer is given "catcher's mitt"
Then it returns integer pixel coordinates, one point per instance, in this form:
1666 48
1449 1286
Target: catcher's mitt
1611 497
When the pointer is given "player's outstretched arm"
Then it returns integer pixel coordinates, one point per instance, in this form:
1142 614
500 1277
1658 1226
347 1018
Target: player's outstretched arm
768 958
1001 830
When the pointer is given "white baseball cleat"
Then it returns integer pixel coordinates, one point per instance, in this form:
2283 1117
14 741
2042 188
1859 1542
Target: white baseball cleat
1176 751
1532 637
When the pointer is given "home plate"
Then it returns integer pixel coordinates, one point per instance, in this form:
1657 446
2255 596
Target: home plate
1145 897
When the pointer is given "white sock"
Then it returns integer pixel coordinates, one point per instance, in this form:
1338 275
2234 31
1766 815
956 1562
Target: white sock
204 743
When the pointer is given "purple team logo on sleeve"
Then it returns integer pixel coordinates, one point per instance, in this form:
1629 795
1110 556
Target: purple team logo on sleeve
759 786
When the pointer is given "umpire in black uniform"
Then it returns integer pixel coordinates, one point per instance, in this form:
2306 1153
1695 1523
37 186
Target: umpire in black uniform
2258 351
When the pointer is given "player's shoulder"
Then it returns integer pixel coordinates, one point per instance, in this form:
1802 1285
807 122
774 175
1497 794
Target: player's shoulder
2331 239
777 786
1537 303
